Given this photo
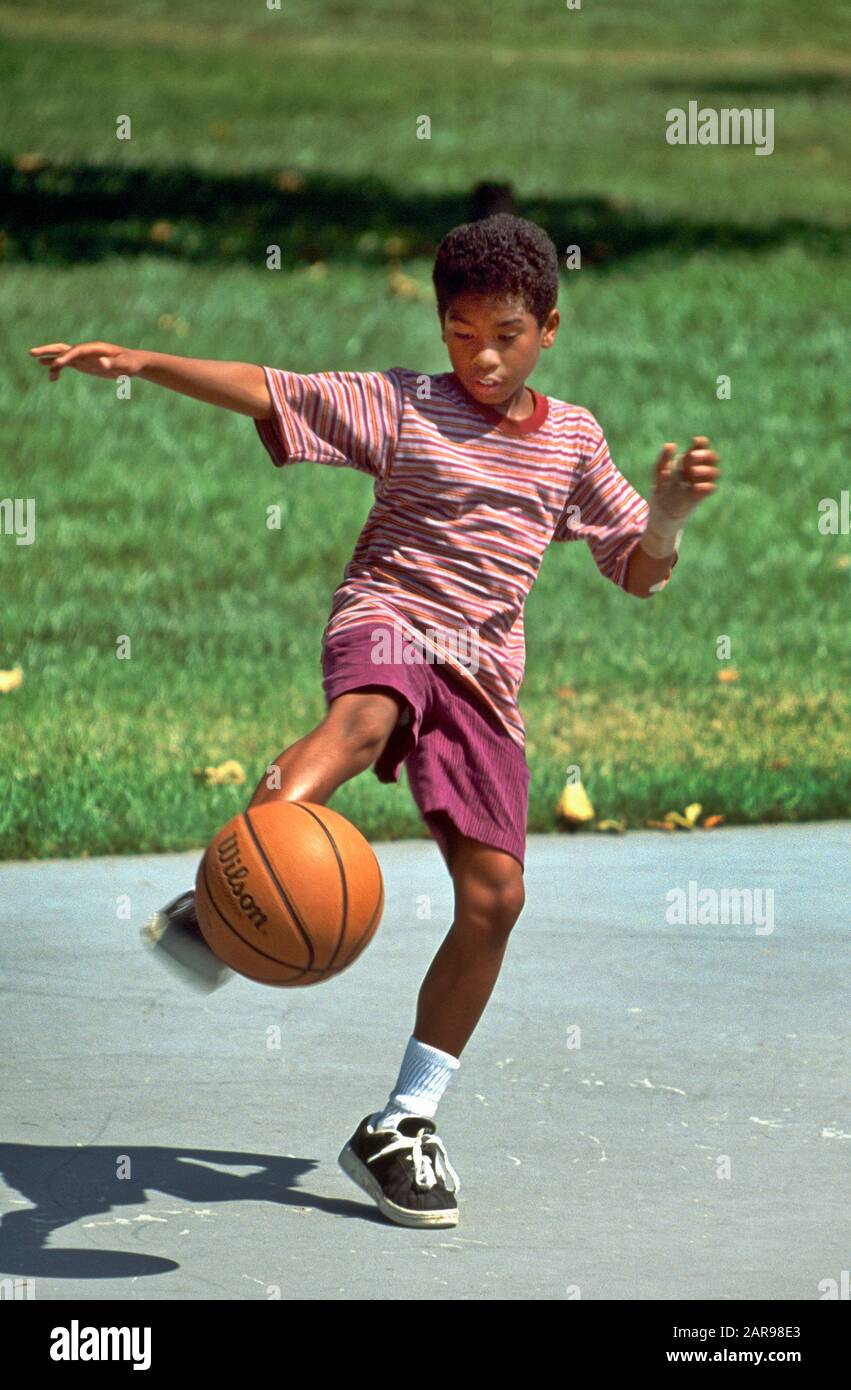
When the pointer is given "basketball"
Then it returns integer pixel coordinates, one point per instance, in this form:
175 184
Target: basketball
289 893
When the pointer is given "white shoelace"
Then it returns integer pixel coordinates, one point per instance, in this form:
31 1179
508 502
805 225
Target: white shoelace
426 1170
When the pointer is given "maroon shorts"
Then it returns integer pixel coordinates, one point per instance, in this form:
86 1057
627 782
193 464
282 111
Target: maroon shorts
461 762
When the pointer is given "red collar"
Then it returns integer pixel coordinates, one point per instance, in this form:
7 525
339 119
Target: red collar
503 422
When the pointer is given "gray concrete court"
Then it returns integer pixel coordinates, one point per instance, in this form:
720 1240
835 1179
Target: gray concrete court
596 1170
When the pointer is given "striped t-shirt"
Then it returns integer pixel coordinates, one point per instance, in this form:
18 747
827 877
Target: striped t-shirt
466 503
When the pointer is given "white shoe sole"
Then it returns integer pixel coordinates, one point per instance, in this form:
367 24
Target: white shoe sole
192 961
355 1169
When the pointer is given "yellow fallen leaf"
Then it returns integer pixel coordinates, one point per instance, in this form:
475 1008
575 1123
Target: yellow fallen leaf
660 825
711 822
574 806
403 286
688 820
29 162
614 827
173 323
229 773
161 230
289 181
10 680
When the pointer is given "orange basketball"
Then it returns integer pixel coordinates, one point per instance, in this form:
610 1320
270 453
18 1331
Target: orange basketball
289 893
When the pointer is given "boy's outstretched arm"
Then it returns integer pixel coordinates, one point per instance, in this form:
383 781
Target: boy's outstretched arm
680 484
238 386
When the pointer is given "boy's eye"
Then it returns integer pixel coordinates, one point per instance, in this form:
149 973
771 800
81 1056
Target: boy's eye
503 337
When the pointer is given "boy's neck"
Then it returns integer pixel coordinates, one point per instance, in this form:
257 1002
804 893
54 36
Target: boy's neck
521 406
518 407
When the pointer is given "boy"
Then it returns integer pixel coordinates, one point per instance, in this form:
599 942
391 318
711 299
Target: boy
475 474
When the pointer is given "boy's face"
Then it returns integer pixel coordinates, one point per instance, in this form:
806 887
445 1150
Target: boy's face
494 344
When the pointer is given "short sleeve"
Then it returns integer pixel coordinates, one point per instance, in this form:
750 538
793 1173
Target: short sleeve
603 509
345 419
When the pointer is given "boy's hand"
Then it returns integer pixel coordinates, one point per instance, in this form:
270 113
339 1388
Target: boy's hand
694 475
96 359
680 483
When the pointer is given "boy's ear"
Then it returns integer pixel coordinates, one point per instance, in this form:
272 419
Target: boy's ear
551 328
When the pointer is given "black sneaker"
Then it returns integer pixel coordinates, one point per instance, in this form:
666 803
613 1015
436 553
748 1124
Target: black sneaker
405 1170
175 937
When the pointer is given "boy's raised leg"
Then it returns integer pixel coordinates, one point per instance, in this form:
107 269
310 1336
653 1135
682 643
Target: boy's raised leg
348 740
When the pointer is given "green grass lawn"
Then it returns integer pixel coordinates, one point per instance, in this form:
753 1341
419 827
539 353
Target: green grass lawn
151 524
565 104
151 513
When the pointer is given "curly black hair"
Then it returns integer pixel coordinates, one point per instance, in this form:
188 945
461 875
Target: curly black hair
500 256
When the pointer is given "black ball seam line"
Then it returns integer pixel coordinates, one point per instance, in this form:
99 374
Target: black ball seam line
244 940
273 877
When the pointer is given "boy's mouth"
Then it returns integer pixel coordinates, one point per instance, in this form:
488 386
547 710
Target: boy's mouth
486 384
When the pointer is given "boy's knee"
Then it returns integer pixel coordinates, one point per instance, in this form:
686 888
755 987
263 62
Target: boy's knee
366 724
494 901
512 899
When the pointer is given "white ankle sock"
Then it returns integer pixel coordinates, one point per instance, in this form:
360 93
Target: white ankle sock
423 1077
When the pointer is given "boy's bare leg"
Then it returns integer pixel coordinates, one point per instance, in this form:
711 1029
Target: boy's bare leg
489 897
351 736
489 889
348 740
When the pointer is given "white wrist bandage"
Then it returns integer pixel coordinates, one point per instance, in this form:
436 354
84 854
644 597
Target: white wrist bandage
671 504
